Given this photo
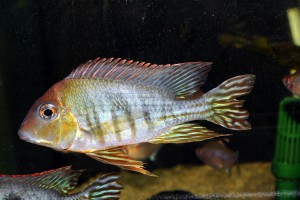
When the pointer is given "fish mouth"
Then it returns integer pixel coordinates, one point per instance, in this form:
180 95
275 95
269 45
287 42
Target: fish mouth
25 135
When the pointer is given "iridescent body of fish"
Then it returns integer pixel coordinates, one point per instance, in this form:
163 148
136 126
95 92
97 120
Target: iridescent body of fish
109 103
57 185
292 82
217 155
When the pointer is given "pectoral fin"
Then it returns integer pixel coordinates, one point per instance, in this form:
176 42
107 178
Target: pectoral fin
184 133
116 156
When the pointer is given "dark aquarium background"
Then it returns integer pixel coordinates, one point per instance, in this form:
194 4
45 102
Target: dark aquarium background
41 42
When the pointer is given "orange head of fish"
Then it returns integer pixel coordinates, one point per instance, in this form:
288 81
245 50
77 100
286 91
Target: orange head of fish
49 123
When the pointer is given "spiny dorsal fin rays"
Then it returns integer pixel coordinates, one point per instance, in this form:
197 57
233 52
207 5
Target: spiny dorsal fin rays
182 79
110 64
62 180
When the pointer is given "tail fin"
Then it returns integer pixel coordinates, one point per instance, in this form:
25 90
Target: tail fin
224 105
105 187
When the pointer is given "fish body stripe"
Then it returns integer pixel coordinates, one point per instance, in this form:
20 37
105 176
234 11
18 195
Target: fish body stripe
88 117
91 121
147 118
146 114
131 122
115 124
99 127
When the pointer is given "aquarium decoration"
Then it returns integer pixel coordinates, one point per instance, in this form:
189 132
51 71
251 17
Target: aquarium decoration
286 162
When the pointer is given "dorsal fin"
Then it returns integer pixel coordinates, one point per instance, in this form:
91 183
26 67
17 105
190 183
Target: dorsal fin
62 180
182 79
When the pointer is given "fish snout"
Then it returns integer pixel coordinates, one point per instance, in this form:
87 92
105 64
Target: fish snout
29 131
25 135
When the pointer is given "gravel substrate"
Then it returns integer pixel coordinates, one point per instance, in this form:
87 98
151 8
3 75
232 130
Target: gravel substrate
255 181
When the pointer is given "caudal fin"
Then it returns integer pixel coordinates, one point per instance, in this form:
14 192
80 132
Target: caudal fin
225 107
105 187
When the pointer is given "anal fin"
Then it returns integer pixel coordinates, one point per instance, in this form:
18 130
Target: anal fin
184 133
116 156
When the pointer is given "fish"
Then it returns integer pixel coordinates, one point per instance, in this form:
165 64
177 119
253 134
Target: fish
292 83
106 104
58 184
142 151
217 155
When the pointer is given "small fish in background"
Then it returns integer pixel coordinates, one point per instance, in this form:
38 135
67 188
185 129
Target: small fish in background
217 155
143 151
58 184
292 83
106 104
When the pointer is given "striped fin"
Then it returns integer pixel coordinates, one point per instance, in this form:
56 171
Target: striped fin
225 107
63 180
116 156
104 188
182 79
184 133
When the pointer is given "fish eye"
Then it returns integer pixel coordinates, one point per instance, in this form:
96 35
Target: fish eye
48 111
